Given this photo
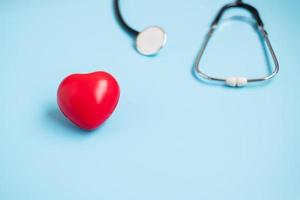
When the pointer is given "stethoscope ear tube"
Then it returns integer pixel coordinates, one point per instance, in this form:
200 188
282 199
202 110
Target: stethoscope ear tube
236 81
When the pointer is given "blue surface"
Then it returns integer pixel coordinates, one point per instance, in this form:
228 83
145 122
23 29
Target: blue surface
171 136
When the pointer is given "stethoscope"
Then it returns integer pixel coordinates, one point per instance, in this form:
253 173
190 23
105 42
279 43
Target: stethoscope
152 39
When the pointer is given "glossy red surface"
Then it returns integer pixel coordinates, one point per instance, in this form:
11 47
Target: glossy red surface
88 99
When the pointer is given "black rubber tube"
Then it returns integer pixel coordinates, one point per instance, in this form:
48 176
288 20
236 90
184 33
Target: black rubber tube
121 21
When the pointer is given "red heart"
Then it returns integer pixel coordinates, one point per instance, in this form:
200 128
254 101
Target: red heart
88 99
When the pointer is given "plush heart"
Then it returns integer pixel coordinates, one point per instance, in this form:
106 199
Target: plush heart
88 99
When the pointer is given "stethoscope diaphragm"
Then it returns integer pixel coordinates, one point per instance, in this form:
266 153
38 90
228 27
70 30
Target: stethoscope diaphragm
151 40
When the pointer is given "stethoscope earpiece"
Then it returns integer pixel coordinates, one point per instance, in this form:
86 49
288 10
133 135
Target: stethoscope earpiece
151 40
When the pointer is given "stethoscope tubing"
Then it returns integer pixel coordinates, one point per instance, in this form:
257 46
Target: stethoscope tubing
122 21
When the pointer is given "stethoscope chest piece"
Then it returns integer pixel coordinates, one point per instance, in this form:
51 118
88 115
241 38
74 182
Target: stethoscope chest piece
147 42
151 40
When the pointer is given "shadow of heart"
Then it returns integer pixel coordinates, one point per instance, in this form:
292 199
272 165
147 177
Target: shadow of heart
58 118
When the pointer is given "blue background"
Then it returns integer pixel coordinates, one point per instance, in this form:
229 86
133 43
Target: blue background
171 136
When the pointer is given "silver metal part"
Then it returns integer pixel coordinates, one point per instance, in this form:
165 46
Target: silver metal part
201 74
151 40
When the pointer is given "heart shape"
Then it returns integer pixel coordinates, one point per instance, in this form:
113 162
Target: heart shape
88 99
